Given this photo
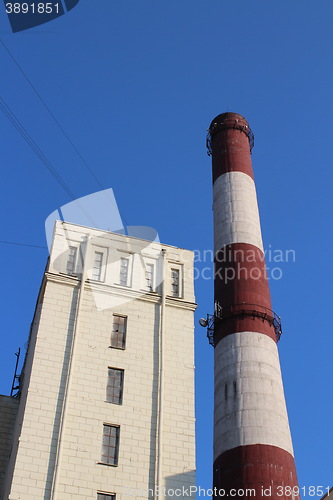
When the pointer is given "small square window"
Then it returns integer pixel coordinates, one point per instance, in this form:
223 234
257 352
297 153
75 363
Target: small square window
97 268
175 282
123 275
110 446
71 260
118 334
114 388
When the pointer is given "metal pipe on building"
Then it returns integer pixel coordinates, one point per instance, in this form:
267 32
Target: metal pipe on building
160 410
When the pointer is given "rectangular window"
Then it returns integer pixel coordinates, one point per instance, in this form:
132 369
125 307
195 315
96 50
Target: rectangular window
106 496
150 277
70 268
97 268
175 282
123 275
110 445
114 389
118 334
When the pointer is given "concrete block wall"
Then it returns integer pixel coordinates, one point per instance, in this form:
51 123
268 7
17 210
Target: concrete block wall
80 475
8 412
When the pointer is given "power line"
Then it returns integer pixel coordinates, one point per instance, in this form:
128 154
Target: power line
40 154
21 244
18 125
51 113
11 116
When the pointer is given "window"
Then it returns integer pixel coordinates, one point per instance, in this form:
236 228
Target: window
118 334
114 388
123 275
150 277
175 282
106 496
97 269
70 268
110 445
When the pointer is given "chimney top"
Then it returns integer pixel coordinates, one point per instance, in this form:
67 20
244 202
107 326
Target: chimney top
226 121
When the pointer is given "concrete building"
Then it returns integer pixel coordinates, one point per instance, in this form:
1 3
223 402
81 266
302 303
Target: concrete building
107 391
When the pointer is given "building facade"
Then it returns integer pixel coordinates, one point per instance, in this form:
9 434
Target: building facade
107 390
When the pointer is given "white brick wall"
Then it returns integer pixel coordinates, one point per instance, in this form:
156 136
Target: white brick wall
249 409
236 215
80 475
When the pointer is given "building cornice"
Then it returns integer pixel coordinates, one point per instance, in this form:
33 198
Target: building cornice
118 291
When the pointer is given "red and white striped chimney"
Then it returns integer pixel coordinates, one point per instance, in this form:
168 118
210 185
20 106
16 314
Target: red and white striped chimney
252 442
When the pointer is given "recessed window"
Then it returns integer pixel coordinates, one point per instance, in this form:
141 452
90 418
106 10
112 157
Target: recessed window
150 277
106 496
175 282
97 268
71 260
123 274
110 447
118 334
114 388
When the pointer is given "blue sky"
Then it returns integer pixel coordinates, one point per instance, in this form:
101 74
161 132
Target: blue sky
135 85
